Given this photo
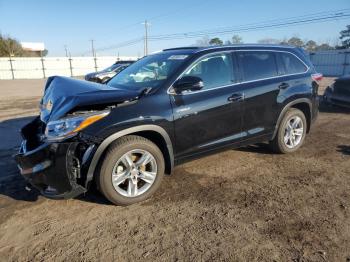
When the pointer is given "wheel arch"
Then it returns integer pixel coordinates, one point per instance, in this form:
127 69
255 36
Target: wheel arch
304 105
155 133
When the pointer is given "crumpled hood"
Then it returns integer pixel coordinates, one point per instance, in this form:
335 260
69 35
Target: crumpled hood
62 94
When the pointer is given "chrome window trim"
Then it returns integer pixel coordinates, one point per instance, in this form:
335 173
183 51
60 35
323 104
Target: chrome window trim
238 83
244 45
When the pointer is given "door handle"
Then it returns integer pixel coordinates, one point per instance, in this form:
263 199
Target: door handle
236 97
283 86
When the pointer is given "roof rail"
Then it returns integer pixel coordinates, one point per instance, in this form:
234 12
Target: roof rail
181 48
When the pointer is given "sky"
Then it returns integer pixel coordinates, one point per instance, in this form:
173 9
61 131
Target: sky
74 23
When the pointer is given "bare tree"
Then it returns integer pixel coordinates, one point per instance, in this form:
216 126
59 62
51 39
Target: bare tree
269 41
311 45
203 42
236 39
10 47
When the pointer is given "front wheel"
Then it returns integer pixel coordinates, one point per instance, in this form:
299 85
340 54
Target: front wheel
291 132
132 170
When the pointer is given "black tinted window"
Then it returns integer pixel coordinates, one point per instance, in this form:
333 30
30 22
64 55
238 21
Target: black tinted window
257 65
215 70
292 64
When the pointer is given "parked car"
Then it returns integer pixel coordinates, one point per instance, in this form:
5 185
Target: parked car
147 73
127 134
339 92
107 73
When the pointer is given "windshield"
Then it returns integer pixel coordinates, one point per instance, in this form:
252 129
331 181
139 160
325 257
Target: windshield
150 71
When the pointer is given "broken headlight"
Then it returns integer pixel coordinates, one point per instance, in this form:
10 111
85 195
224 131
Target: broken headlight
68 127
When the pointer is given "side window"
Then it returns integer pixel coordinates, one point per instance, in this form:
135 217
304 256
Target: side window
257 65
292 64
280 64
215 70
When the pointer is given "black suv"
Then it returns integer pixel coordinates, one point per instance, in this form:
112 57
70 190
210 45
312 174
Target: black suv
164 109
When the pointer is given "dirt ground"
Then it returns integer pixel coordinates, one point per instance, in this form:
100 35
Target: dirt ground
239 205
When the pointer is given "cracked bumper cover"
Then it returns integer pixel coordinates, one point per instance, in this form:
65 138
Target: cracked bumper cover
51 169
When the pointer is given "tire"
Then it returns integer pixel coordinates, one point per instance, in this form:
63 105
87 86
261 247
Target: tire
126 148
278 144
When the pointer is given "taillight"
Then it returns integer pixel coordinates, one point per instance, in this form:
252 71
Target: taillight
317 77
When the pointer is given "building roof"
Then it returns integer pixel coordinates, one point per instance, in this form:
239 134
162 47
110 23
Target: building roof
33 46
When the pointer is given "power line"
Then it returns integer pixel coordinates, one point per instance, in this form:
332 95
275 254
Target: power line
255 26
119 45
157 17
269 24
314 15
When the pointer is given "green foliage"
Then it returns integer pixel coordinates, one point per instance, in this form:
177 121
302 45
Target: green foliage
345 37
216 41
324 47
295 41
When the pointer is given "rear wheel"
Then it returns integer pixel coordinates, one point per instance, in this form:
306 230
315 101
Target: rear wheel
291 132
131 171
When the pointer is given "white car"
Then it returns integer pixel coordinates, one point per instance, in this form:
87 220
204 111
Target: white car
145 74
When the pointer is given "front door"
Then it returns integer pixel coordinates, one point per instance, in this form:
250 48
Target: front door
211 117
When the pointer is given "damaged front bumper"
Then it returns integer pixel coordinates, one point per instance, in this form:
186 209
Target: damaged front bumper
55 169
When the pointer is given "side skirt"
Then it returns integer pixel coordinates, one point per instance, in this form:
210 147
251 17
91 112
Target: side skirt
211 151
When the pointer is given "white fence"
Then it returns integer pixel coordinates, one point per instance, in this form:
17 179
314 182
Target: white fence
36 67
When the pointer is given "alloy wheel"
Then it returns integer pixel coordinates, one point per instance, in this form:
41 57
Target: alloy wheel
134 173
293 132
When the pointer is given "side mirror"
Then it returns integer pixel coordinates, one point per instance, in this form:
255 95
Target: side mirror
188 83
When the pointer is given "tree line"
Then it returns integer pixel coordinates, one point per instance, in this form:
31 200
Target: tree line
11 47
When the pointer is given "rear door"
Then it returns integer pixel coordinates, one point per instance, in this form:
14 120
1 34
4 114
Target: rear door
261 87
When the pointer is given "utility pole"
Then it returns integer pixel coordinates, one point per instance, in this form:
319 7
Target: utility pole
94 53
146 37
11 65
93 48
65 49
42 64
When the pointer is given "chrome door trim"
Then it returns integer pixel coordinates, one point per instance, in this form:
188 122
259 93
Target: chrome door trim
238 83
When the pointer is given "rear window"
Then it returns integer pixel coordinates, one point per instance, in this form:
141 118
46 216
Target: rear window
257 65
292 65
